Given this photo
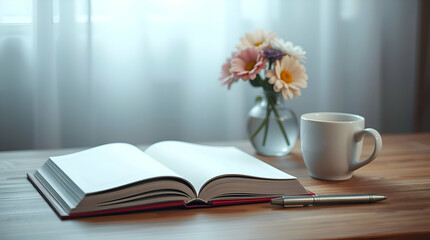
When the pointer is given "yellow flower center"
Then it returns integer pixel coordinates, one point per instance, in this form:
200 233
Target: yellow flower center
229 69
286 76
250 65
258 44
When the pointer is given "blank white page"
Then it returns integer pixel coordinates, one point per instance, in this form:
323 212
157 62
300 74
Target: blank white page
110 166
200 163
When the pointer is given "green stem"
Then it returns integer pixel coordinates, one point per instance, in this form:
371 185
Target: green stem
258 129
253 83
260 81
268 111
278 118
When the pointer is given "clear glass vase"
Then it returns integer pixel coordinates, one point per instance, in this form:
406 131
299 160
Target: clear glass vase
272 127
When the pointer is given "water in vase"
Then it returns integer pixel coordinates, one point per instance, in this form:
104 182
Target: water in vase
275 144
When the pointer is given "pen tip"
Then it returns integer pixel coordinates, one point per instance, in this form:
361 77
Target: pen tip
277 201
377 198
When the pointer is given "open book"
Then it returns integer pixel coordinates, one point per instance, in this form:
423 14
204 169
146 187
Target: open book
119 177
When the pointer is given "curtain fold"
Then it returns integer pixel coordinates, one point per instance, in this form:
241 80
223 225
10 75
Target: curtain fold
88 72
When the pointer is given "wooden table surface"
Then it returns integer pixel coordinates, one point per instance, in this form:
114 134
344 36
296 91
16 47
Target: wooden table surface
402 172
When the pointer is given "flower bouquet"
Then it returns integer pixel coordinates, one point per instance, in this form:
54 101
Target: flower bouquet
275 65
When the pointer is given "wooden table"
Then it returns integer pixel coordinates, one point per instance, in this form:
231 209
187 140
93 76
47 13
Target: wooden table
402 172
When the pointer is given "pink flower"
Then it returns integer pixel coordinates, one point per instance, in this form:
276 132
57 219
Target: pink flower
248 63
227 76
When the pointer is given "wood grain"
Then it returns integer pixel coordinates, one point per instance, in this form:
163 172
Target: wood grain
402 172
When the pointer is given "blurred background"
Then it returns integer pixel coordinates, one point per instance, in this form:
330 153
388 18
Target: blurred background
88 72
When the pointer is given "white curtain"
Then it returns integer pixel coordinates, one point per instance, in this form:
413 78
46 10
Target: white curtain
88 72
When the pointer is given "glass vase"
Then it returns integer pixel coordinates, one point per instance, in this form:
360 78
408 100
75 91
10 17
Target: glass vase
272 127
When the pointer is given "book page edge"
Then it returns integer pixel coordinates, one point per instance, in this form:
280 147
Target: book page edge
61 213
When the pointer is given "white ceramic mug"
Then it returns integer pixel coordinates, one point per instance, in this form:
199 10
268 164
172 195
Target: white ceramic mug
332 142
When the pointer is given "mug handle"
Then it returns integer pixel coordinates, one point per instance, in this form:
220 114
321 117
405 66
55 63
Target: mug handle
378 145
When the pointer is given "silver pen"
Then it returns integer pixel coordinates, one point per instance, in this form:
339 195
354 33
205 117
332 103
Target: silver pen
306 200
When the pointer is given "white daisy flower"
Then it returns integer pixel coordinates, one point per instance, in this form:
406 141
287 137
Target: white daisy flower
288 48
289 76
258 39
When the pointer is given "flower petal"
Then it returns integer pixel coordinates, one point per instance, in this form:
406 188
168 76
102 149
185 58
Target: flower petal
270 73
302 84
285 93
278 69
278 85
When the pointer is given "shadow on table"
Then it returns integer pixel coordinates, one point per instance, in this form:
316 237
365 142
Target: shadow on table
176 214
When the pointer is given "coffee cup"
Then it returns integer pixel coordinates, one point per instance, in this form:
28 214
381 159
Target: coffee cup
332 142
